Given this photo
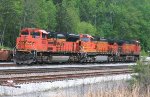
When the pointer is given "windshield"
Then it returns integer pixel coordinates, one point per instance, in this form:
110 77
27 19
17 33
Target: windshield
24 33
35 34
85 39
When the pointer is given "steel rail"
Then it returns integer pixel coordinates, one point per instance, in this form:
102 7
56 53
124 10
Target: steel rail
9 64
64 69
62 76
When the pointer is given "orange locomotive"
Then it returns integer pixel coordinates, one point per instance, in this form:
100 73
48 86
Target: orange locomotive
36 45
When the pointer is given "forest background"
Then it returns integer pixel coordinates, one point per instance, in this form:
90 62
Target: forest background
115 19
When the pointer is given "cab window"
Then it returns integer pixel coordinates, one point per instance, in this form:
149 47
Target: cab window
24 33
44 35
85 39
35 34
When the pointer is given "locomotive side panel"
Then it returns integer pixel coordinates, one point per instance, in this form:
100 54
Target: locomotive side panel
113 48
102 47
68 47
88 47
128 49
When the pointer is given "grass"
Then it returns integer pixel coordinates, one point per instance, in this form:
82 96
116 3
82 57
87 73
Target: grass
120 92
5 48
115 89
139 88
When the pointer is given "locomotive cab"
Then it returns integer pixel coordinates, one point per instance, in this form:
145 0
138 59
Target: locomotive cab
30 42
137 47
86 43
86 38
32 39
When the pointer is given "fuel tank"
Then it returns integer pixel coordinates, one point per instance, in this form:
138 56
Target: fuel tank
101 58
59 58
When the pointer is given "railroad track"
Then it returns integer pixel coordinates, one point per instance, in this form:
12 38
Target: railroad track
63 69
10 64
53 76
7 64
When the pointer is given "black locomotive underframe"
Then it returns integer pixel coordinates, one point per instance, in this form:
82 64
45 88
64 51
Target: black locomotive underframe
32 56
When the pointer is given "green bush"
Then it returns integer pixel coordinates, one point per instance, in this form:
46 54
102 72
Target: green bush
142 76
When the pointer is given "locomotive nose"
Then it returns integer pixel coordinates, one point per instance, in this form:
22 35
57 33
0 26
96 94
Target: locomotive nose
24 43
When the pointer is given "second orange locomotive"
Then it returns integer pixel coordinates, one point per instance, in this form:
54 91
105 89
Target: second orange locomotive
36 45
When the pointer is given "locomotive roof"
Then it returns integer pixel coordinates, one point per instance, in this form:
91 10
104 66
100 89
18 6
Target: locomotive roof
43 31
34 29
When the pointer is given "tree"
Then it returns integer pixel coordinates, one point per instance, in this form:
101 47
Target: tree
120 19
87 28
10 16
68 16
